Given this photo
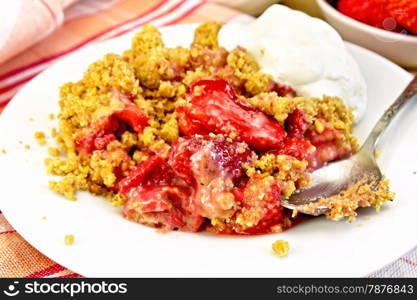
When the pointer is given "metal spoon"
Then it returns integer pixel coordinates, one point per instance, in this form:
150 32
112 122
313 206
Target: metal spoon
338 176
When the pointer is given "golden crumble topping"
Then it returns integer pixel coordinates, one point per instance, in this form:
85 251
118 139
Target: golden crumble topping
281 247
69 239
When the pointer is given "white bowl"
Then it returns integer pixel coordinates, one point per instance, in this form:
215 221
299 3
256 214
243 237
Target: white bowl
397 47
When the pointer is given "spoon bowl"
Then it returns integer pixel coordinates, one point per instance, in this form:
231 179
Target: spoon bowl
338 176
334 178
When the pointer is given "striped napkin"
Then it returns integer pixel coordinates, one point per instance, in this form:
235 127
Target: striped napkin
84 23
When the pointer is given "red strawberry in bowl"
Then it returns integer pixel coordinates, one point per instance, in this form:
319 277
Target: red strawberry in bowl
371 12
404 12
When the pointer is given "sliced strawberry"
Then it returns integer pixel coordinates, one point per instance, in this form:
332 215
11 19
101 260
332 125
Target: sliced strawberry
152 198
295 144
329 134
212 166
329 147
238 193
217 85
230 156
296 124
296 147
327 152
105 131
96 138
86 143
282 90
180 157
139 174
101 142
214 108
261 207
133 116
195 157
151 205
156 196
187 125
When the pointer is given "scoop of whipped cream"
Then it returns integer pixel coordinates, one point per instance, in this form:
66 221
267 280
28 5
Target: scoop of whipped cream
303 52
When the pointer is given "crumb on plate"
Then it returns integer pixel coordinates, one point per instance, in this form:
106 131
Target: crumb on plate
281 247
40 137
69 239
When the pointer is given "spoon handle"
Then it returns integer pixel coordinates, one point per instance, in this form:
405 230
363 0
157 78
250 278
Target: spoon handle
385 120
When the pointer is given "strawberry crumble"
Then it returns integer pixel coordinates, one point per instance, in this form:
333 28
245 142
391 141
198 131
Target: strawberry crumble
195 138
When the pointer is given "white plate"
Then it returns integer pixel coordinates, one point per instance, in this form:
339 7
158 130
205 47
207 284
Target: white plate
108 245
